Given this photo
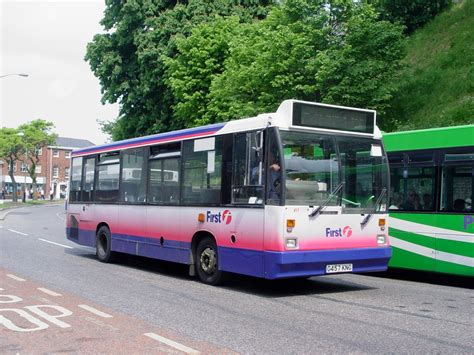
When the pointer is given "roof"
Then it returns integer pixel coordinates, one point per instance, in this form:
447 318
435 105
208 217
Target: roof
281 118
444 137
72 142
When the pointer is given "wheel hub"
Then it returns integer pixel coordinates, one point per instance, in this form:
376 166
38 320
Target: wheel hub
208 260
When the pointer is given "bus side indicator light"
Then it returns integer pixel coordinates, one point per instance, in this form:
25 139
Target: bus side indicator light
290 223
382 222
201 217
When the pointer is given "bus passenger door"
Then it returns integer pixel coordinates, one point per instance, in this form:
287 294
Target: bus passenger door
86 208
241 244
454 242
163 213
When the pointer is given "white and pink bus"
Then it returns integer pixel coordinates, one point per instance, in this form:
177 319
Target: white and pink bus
295 193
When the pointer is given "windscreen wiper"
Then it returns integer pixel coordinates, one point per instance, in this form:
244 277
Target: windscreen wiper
318 210
379 199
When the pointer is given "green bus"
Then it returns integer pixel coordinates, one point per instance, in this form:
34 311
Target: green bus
431 225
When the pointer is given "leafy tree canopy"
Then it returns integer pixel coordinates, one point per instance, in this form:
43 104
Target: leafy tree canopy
36 135
337 52
11 148
412 14
127 58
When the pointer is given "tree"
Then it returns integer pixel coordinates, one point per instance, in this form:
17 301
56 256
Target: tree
127 58
412 14
337 52
360 71
11 147
199 60
36 135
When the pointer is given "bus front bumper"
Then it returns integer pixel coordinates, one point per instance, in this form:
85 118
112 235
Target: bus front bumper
312 263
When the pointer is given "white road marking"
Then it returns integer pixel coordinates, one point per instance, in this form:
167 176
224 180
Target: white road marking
171 343
49 292
61 218
16 278
61 245
14 231
1 227
95 311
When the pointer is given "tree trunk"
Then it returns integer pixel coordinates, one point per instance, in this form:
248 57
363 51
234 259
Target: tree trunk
12 176
35 188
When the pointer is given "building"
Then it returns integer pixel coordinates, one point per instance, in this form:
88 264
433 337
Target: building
52 170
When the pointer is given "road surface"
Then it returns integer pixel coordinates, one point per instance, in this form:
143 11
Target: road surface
70 302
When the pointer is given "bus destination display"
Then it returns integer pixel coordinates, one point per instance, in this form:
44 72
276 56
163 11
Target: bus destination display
333 118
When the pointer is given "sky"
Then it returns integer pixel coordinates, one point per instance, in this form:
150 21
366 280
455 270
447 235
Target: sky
47 40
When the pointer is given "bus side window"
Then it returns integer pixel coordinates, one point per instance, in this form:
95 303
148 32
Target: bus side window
107 182
413 181
163 181
88 180
247 185
76 180
132 186
202 171
457 182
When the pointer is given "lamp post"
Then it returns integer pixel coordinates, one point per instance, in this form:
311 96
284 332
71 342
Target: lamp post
21 134
14 74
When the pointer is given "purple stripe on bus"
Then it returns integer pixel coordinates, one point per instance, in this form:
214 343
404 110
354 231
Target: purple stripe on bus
158 138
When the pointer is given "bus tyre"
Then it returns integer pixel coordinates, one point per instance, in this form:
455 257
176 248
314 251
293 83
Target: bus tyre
207 262
103 245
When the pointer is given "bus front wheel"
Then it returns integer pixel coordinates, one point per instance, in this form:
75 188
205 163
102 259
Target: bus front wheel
103 245
207 262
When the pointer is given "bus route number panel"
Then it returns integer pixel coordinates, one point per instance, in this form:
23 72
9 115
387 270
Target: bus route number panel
334 268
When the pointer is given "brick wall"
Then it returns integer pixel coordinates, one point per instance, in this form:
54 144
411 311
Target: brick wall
47 162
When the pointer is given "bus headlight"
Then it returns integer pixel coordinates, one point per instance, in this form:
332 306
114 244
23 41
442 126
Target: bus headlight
291 243
381 239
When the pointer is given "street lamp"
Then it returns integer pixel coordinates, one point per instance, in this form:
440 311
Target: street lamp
17 74
21 134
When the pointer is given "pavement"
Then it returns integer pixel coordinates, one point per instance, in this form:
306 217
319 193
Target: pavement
4 211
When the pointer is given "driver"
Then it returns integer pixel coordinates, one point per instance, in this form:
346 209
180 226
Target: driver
274 174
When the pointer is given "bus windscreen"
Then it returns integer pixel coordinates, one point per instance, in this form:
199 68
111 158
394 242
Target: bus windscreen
333 118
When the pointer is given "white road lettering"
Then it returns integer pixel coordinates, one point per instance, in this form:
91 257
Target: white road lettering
10 325
10 299
60 245
49 317
95 311
17 232
171 343
16 278
49 292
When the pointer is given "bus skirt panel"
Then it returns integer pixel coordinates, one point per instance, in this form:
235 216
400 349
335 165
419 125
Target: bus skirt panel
81 236
168 250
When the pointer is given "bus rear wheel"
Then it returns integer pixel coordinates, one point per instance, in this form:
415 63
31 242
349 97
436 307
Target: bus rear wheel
207 262
103 245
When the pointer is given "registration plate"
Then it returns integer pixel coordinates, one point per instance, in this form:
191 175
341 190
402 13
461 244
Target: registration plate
338 268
